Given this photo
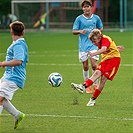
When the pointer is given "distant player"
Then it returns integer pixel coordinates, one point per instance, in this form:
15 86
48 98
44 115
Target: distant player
42 22
108 66
15 71
11 18
83 25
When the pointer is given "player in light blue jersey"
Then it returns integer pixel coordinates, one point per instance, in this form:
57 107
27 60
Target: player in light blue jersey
82 26
15 71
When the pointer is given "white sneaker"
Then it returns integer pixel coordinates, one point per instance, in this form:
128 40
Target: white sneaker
91 102
79 87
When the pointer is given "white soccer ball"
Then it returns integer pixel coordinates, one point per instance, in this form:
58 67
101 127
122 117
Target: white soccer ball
55 79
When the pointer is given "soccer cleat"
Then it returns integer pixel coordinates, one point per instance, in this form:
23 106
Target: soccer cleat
89 90
95 87
18 121
91 102
79 87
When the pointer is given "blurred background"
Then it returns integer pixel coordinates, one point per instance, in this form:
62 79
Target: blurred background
55 14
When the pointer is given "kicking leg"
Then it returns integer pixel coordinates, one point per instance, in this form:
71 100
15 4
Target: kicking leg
97 91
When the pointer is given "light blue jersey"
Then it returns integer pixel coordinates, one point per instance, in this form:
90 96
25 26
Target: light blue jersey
17 50
88 24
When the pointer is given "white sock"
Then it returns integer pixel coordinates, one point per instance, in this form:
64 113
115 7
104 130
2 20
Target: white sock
1 108
10 108
96 82
85 75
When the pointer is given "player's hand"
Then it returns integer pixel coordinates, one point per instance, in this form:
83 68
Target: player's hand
90 54
83 32
1 65
121 48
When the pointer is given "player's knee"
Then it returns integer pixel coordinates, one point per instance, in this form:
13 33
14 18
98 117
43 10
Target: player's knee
85 68
94 67
1 100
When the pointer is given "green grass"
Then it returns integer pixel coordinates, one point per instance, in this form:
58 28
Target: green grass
50 109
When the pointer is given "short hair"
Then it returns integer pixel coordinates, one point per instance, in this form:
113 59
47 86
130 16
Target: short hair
17 28
89 2
96 33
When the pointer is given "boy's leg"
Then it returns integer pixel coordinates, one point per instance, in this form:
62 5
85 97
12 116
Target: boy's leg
10 108
1 108
13 111
1 100
84 59
8 89
94 66
95 84
93 78
82 87
1 104
97 91
85 75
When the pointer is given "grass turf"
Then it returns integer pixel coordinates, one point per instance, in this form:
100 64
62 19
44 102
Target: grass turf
53 110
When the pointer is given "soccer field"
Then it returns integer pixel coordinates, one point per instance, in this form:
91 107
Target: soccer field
53 109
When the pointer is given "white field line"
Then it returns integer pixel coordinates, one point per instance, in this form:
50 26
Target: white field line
45 64
76 117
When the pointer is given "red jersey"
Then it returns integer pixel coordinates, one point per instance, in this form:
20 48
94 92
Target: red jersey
111 51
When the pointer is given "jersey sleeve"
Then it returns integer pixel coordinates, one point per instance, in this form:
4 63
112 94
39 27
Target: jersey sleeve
76 24
105 42
18 52
99 23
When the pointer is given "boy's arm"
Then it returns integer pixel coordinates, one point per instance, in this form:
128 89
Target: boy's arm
10 63
100 51
76 32
120 48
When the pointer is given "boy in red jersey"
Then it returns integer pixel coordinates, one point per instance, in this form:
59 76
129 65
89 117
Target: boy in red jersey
108 66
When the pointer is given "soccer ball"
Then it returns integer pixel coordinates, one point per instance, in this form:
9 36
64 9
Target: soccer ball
55 79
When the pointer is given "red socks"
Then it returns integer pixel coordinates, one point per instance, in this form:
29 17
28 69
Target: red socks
96 93
88 82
